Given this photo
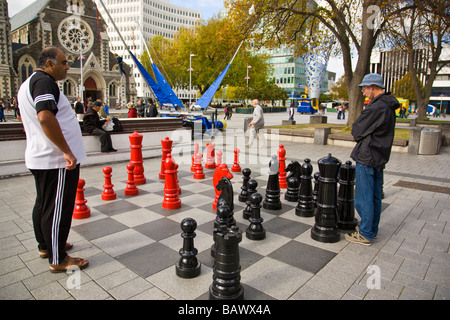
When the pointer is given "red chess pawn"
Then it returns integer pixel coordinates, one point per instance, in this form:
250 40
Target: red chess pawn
166 149
81 210
236 167
282 159
193 157
219 158
136 157
108 191
130 189
176 178
171 199
210 154
199 174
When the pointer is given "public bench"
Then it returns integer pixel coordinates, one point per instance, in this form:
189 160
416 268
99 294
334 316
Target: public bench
14 130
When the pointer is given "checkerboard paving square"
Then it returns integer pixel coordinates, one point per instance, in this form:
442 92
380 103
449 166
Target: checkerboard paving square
122 242
180 288
99 228
303 256
277 279
159 229
149 259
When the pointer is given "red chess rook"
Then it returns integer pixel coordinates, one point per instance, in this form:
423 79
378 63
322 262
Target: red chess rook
136 157
81 210
108 191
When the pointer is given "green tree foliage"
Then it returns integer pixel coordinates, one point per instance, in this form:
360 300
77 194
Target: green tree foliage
404 88
212 44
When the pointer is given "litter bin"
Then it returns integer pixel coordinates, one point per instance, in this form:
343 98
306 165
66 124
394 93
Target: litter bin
430 141
247 122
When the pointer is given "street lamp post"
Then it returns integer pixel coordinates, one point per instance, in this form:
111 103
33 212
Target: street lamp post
190 78
81 70
247 78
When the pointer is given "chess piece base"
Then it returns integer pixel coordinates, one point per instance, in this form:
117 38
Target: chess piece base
214 296
325 235
347 225
188 273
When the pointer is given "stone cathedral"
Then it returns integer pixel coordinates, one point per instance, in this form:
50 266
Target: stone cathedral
76 27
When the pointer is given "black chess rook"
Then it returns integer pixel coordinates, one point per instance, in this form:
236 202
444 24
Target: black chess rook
224 219
188 266
346 197
227 268
255 230
325 228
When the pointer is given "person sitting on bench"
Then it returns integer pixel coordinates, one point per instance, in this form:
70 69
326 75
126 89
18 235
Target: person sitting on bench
93 125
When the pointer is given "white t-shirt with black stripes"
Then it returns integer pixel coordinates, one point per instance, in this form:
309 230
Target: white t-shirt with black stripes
40 92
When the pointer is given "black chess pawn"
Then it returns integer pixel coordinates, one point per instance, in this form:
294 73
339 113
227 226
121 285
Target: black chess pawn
272 199
243 196
252 185
305 206
293 181
188 266
255 230
325 228
346 197
227 268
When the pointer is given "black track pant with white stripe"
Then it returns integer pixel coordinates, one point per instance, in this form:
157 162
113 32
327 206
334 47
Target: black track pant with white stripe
52 213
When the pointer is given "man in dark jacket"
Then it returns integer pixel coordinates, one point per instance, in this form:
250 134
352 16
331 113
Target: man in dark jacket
93 125
79 109
151 110
140 108
373 132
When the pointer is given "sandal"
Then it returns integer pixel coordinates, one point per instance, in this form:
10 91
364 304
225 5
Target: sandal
68 263
44 252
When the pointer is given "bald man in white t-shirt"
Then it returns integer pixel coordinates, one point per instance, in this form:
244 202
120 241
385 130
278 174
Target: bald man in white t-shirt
53 155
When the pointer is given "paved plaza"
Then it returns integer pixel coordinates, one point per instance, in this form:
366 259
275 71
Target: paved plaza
132 243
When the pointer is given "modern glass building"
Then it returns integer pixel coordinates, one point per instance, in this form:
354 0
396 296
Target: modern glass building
141 20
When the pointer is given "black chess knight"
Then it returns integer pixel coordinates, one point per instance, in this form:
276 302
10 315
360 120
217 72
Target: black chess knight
293 181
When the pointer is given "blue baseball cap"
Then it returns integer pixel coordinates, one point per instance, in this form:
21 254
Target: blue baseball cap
373 78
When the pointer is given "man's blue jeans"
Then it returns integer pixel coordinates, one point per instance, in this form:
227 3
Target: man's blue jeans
368 189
